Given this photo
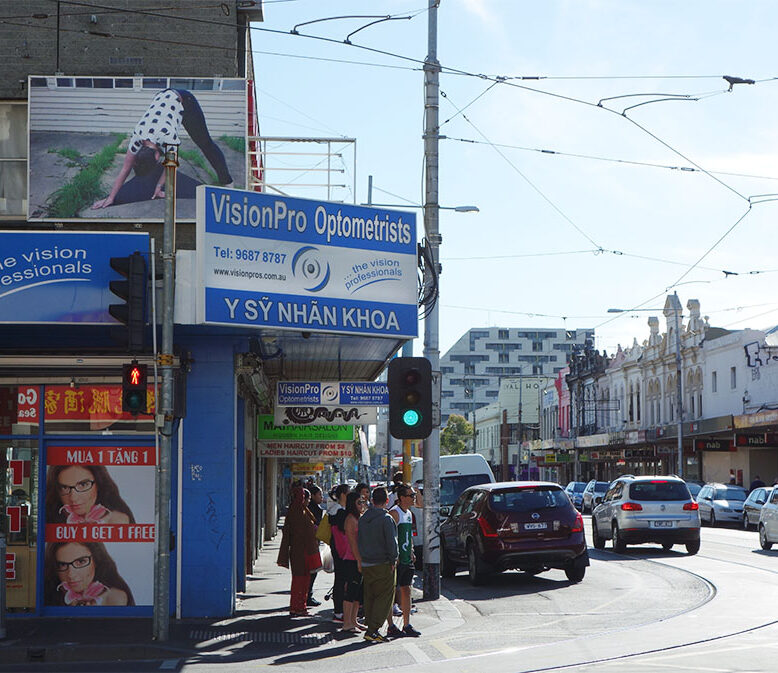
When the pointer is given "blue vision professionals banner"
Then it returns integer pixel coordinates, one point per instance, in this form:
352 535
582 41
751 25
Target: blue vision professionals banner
61 277
272 261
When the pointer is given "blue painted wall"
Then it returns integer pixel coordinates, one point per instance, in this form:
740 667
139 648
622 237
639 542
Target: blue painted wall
208 541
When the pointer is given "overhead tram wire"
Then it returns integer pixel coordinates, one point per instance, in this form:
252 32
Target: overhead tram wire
648 164
526 179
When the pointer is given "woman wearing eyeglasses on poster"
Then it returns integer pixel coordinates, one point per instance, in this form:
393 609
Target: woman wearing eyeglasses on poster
84 494
83 574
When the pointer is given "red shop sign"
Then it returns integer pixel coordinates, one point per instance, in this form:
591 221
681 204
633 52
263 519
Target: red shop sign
97 404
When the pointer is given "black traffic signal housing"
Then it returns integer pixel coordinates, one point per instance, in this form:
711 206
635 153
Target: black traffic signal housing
410 398
134 377
133 291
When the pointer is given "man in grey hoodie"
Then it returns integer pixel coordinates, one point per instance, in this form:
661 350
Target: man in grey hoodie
377 539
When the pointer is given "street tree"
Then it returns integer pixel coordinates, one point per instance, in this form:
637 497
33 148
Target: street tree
456 435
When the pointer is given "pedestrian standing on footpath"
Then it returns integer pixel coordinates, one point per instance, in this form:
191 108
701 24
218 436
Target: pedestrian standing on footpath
336 513
401 514
377 539
299 549
316 509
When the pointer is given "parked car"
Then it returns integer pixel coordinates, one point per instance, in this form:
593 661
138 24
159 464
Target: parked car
752 507
647 509
768 522
593 491
694 488
529 525
721 502
574 490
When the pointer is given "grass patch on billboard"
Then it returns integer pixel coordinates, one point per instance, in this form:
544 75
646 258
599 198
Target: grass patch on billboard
85 188
237 143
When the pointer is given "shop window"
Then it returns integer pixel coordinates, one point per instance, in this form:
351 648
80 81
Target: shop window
13 160
19 410
20 504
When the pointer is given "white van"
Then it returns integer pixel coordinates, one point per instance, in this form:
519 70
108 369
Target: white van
457 473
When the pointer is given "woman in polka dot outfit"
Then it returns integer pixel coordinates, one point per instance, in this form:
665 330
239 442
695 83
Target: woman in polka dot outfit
159 127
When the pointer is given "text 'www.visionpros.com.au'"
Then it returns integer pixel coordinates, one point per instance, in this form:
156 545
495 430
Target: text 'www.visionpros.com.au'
240 273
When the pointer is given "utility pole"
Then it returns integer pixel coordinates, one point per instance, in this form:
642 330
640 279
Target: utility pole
431 577
679 381
164 413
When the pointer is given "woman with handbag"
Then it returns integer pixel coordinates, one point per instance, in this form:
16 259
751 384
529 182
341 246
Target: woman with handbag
336 512
345 539
299 550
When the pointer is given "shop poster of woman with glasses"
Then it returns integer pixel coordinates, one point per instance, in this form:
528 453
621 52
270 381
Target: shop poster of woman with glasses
83 574
99 526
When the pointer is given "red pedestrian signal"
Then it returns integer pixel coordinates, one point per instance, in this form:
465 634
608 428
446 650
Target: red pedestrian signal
134 388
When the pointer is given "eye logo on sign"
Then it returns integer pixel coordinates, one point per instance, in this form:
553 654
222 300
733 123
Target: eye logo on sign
307 265
330 395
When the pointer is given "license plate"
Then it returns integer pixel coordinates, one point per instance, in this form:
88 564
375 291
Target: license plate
535 526
662 524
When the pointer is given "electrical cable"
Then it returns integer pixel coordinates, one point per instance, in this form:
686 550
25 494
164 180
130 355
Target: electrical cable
524 177
686 169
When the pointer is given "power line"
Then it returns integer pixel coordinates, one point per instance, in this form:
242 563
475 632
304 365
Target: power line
649 164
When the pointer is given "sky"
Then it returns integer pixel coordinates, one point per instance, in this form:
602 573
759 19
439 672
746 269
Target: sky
584 204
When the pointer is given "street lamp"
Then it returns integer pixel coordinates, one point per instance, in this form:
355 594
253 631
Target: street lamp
678 380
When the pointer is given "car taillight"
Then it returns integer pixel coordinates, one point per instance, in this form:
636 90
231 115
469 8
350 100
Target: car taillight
691 506
578 527
486 528
632 507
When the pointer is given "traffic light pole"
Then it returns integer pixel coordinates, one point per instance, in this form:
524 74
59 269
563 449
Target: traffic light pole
164 413
431 577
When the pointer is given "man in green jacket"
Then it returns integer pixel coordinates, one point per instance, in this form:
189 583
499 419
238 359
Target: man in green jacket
377 540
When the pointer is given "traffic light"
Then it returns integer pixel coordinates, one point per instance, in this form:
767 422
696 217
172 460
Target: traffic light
133 291
410 398
134 388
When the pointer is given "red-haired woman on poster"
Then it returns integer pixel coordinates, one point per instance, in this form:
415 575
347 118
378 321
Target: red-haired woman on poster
83 574
84 494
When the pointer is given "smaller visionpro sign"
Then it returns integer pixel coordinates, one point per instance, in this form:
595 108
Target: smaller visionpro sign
272 261
332 393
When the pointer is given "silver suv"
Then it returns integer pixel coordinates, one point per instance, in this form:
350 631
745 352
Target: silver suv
647 509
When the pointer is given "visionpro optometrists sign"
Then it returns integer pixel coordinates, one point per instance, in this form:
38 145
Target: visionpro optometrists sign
272 261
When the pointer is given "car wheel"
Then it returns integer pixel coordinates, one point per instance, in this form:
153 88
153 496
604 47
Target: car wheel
745 522
597 540
475 566
667 546
692 547
574 574
764 543
712 518
447 568
618 544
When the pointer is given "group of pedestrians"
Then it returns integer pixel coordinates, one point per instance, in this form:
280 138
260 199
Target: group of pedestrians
372 549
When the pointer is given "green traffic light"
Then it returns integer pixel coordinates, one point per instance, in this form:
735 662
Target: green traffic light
411 417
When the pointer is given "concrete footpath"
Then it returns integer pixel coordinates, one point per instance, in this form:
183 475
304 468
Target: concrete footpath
261 628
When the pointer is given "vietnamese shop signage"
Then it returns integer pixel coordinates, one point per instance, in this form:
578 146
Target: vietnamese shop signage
267 430
99 526
61 277
325 452
344 415
288 263
332 393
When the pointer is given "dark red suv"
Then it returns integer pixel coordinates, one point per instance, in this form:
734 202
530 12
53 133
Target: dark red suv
529 525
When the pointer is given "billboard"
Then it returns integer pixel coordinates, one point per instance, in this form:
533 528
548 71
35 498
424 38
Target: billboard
61 277
99 526
94 144
318 266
